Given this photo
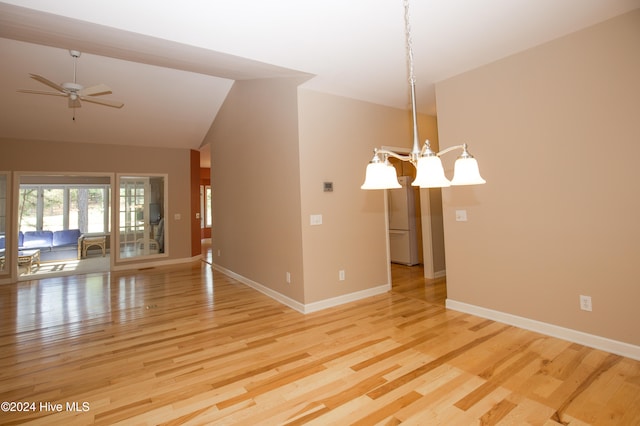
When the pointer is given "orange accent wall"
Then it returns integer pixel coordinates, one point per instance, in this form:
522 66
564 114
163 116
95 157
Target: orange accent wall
196 248
205 176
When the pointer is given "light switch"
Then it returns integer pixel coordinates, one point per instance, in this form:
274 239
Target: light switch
177 216
316 219
461 215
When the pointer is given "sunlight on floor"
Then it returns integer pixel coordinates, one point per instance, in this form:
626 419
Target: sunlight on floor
66 267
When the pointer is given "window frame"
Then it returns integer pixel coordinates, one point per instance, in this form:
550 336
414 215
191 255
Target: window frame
118 211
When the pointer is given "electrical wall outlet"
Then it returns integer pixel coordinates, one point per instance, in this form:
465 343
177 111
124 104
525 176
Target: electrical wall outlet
585 303
341 275
288 277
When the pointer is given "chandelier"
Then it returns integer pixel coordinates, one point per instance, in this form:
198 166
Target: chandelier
380 174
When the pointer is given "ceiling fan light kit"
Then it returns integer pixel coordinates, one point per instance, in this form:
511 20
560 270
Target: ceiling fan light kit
75 92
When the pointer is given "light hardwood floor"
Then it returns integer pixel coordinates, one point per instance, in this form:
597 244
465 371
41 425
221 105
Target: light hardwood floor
186 345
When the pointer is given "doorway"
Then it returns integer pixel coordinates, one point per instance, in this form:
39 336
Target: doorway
429 222
427 279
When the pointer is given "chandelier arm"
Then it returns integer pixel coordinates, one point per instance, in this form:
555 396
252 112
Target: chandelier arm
451 148
394 154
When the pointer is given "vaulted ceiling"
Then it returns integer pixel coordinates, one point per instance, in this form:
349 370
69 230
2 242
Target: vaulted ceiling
173 62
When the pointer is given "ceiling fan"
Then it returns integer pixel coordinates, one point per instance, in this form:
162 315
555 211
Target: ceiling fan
74 91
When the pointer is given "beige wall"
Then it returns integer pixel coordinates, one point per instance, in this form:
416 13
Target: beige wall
272 148
337 137
556 132
66 158
255 185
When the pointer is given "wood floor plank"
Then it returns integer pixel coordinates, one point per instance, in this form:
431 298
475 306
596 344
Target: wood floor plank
189 345
495 381
430 365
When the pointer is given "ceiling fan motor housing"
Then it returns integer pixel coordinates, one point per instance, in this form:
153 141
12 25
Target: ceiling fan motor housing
72 87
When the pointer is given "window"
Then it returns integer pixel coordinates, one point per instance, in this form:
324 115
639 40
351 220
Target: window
205 206
132 203
28 210
207 216
58 207
55 205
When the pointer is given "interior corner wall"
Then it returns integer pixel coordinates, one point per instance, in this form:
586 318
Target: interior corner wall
255 179
69 158
337 138
555 131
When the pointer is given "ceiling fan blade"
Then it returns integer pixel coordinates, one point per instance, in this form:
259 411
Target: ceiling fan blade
114 104
97 90
74 103
49 83
41 92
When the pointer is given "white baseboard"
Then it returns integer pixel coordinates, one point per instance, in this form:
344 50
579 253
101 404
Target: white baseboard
301 307
597 342
346 298
285 300
440 274
167 262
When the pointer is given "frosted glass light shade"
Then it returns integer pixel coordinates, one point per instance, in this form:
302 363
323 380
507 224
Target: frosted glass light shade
380 175
466 172
430 173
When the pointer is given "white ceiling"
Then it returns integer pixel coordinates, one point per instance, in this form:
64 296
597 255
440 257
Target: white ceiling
172 63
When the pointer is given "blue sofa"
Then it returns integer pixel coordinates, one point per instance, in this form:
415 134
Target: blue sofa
53 245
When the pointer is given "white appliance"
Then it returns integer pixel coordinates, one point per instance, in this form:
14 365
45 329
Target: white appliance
403 236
